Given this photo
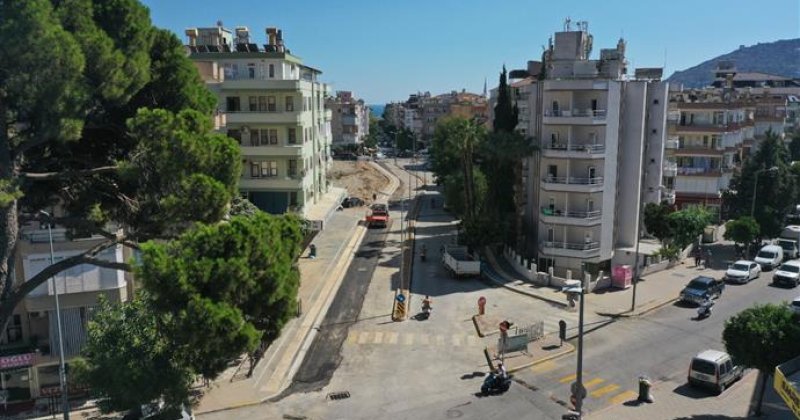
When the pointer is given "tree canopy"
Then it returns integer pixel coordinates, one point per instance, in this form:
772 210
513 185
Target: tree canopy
762 337
656 220
105 119
687 225
742 230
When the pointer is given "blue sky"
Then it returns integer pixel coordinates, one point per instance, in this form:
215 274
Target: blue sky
384 50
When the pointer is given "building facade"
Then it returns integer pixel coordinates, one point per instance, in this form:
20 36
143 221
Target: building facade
601 152
350 122
274 105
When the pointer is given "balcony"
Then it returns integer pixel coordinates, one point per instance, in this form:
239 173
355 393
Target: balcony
264 117
348 119
670 169
574 150
692 171
272 150
575 116
668 195
286 183
574 218
573 184
672 143
241 83
571 249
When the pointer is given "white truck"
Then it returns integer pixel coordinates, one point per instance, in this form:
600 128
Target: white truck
790 242
459 263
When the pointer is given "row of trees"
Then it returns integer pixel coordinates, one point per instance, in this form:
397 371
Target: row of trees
482 171
104 119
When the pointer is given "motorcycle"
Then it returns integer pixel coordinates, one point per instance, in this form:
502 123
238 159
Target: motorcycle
426 312
495 384
704 310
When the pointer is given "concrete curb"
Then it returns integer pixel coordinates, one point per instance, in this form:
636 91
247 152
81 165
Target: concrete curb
569 349
640 312
478 328
499 270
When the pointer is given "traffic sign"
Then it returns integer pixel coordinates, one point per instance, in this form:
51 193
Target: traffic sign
401 297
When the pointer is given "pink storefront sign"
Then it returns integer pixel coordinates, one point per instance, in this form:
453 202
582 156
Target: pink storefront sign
17 360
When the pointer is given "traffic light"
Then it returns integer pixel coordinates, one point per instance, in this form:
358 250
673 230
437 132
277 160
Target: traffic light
562 330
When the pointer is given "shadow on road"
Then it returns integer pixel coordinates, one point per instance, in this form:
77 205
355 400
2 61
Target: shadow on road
688 391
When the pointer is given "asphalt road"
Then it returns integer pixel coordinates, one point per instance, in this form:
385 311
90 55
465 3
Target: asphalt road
659 345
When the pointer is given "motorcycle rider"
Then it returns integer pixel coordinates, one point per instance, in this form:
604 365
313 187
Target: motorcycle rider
502 373
705 308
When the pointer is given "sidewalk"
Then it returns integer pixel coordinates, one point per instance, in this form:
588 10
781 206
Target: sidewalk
652 292
319 280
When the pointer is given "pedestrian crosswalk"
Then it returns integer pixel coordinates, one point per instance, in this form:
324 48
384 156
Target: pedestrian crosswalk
598 389
363 338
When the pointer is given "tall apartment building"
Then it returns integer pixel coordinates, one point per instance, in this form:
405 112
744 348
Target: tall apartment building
350 123
601 140
274 105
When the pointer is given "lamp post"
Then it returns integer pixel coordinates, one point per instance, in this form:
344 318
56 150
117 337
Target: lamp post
577 389
755 191
62 373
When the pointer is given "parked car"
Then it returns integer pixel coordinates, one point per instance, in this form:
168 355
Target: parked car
714 369
787 274
795 305
701 289
769 257
743 271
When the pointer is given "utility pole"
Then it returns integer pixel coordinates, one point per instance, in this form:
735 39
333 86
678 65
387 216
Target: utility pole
579 375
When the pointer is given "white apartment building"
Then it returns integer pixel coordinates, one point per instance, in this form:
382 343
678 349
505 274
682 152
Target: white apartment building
601 140
350 122
274 105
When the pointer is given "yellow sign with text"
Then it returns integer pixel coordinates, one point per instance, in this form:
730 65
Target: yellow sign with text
788 392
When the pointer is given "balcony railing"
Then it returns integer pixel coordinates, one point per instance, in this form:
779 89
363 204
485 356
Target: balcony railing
598 180
670 168
698 171
596 113
588 148
585 246
547 211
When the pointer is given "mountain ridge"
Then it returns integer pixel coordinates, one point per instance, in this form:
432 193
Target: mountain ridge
781 58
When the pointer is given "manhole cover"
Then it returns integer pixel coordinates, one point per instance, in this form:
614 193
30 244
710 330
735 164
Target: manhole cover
454 414
335 396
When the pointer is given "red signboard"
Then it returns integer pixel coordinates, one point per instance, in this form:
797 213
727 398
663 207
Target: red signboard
17 360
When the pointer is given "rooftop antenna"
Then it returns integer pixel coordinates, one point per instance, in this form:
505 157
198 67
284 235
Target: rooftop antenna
567 24
665 59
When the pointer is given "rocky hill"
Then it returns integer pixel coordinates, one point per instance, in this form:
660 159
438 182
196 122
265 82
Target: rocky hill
780 58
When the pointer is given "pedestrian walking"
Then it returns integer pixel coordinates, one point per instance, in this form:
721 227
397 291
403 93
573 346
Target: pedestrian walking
696 256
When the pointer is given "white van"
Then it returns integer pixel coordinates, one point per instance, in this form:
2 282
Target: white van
769 257
713 369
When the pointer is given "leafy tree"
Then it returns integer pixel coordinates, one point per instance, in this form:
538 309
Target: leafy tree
371 141
225 286
72 133
762 337
687 225
444 155
743 230
775 190
656 220
405 139
128 359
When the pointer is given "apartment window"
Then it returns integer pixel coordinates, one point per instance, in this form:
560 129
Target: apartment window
291 135
263 136
251 70
253 103
293 198
264 169
289 103
262 103
292 167
232 104
236 135
271 105
271 71
231 70
273 136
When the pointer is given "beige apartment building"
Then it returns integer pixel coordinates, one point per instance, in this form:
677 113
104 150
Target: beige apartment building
274 105
601 137
350 119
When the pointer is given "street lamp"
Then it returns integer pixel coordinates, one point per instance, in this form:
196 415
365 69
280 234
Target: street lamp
62 372
578 390
771 170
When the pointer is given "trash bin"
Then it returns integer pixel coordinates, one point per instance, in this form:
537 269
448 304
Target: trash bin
644 389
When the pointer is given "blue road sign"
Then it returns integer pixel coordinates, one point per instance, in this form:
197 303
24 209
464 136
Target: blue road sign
401 298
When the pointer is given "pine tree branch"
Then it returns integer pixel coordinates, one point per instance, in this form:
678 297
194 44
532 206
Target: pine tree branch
46 176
